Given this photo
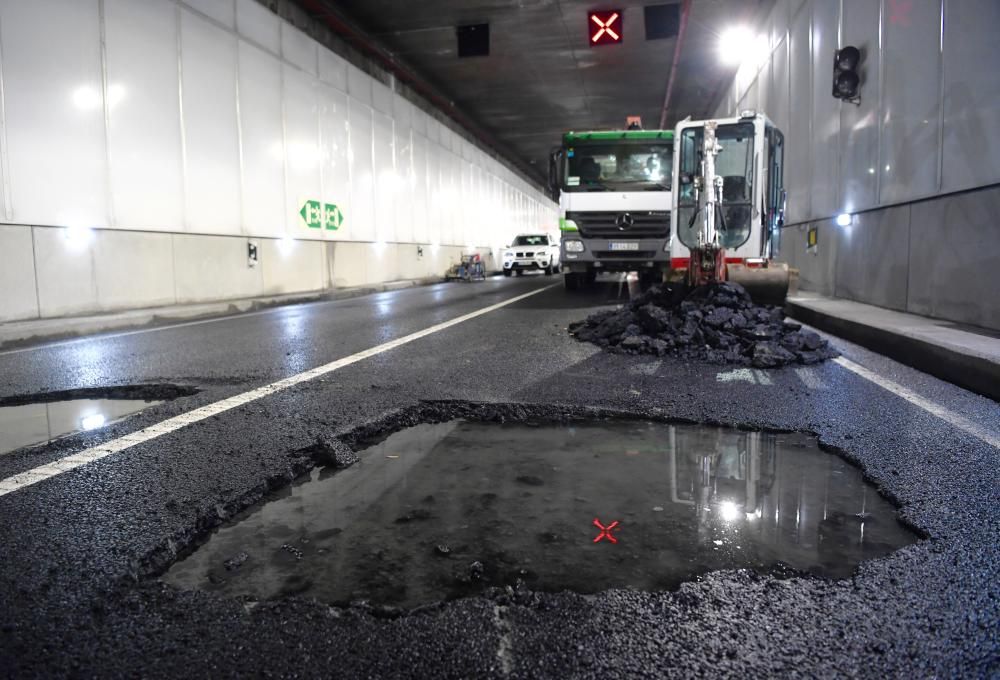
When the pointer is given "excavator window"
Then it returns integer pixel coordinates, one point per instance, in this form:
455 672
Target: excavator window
735 165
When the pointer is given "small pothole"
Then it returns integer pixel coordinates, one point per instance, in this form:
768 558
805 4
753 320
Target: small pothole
438 511
32 419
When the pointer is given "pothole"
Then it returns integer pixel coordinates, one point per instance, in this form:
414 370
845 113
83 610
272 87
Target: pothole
439 511
28 420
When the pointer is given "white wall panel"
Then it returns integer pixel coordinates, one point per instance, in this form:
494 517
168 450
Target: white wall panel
332 69
359 85
212 187
360 220
859 133
262 137
910 103
419 206
971 94
299 49
302 149
776 102
406 181
223 11
798 136
385 179
17 274
259 24
144 130
825 136
335 170
381 98
54 111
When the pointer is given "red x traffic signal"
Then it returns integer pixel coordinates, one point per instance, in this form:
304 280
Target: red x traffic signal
605 27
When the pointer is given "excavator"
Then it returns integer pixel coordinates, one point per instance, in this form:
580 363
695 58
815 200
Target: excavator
728 204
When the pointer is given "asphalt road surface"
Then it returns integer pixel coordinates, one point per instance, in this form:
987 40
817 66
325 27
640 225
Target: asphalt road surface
85 537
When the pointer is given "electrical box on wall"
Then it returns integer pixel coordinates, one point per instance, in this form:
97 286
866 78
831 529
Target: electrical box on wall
252 253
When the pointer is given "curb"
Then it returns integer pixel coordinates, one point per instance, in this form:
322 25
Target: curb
974 373
25 333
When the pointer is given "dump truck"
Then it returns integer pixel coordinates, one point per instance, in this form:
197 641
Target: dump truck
614 190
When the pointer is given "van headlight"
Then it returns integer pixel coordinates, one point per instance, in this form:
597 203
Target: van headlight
574 246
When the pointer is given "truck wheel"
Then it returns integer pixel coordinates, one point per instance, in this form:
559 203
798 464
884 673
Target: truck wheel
571 280
506 272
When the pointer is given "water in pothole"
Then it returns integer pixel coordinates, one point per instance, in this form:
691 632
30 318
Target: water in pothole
445 510
39 423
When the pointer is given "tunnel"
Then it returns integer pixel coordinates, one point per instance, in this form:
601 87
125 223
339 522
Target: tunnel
536 339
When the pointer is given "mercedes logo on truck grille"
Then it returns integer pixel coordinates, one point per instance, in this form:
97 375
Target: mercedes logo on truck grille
624 221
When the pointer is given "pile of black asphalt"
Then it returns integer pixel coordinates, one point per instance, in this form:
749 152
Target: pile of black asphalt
717 323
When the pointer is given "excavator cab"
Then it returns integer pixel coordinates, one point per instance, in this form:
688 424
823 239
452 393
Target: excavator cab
729 205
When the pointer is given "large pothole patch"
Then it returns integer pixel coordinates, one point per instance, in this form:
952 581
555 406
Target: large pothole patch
442 510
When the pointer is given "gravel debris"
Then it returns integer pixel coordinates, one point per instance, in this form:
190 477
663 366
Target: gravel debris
717 323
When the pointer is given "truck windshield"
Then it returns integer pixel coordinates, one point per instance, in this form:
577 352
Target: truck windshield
617 166
531 241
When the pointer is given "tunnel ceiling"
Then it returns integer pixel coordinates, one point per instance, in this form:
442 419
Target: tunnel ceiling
541 76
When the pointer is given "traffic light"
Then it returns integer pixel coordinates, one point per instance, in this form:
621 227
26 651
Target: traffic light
846 80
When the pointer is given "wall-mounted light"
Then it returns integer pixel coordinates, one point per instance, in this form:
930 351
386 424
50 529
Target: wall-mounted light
286 245
845 220
78 237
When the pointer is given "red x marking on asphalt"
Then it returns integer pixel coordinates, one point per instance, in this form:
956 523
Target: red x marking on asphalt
606 530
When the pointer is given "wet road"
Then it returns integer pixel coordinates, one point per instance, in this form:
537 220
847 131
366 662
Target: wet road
78 592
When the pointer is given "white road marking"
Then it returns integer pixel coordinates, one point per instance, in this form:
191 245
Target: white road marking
645 369
71 462
736 375
934 409
810 379
762 377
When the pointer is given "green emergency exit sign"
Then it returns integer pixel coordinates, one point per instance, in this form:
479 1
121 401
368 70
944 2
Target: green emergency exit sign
321 215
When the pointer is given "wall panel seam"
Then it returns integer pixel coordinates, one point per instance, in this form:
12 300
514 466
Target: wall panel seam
4 155
106 109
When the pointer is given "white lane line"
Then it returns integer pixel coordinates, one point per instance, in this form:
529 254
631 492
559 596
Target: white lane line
809 378
941 412
73 461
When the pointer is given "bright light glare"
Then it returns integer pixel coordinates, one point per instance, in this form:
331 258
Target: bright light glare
735 45
86 98
92 422
286 245
78 237
844 220
728 511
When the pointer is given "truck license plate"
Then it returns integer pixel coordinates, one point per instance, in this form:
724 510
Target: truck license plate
623 245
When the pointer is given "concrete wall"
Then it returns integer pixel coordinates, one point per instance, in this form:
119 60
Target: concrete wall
150 138
926 127
925 257
54 272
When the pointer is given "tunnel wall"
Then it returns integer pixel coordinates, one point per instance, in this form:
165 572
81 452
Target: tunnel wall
916 163
146 141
